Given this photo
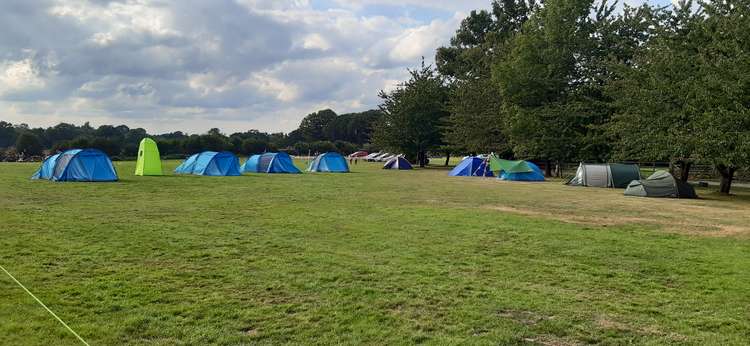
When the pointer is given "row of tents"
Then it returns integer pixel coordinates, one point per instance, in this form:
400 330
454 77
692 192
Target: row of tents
94 165
610 175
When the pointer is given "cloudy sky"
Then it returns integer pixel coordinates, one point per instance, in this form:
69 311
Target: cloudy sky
191 65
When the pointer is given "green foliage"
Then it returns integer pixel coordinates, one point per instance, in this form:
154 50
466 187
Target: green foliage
413 115
28 143
8 134
541 79
475 123
313 126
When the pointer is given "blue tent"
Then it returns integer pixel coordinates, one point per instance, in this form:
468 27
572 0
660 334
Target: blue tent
210 163
251 165
397 163
77 165
534 175
472 167
329 162
270 163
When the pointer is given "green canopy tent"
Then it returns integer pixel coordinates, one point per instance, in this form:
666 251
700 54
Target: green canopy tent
660 184
515 170
509 166
149 161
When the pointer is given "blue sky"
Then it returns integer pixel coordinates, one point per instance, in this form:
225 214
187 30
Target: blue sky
190 65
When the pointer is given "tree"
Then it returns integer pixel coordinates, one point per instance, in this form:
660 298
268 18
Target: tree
413 115
721 88
7 134
252 146
539 82
28 144
653 118
312 127
475 124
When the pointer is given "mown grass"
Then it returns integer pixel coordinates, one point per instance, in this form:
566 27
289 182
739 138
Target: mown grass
371 257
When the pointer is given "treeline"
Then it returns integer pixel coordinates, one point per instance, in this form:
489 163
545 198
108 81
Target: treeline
578 80
319 132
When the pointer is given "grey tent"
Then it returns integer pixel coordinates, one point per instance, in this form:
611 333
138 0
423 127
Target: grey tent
660 184
616 175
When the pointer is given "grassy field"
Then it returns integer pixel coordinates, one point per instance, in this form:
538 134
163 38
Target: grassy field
372 257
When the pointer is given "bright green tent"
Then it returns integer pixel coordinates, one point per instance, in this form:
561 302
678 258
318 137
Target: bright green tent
149 162
508 166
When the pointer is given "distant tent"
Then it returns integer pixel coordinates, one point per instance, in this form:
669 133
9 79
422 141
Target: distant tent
149 161
210 163
660 184
329 162
472 167
615 175
357 154
77 165
516 170
397 163
270 163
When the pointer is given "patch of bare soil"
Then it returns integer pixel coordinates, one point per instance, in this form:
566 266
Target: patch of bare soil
683 219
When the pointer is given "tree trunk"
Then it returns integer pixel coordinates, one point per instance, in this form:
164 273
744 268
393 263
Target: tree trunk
558 169
447 158
421 159
727 176
548 168
684 170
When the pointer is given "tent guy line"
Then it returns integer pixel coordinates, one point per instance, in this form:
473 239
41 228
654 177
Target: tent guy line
45 306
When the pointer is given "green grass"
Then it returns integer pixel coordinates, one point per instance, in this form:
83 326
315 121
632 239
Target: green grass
372 257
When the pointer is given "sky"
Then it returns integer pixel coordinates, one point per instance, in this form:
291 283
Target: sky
191 65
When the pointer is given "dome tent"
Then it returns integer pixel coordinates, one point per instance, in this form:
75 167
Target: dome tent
660 184
210 163
397 162
270 163
329 162
472 166
516 170
77 165
149 161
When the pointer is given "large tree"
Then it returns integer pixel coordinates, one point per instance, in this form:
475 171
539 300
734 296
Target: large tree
312 127
722 88
474 124
654 119
413 115
541 80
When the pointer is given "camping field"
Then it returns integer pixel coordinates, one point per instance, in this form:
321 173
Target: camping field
371 257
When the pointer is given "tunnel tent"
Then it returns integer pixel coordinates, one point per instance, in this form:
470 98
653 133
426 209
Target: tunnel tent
89 165
472 166
251 165
149 161
271 163
47 168
330 162
660 184
398 163
210 163
613 175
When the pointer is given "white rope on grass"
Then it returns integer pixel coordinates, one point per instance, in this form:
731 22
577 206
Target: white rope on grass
45 307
